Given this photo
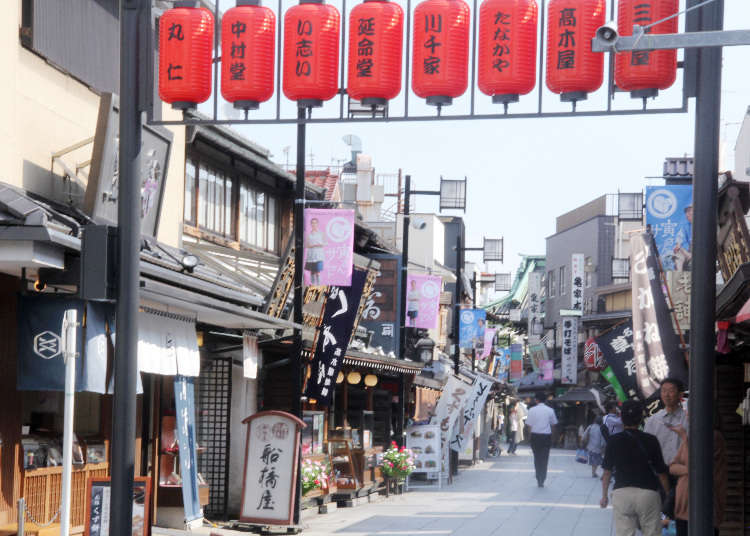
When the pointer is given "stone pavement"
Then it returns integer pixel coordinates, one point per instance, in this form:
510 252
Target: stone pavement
496 497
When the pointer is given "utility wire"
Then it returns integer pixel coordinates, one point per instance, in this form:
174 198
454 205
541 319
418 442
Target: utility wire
678 14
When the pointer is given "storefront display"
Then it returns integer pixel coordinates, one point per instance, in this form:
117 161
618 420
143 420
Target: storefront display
424 443
313 435
98 506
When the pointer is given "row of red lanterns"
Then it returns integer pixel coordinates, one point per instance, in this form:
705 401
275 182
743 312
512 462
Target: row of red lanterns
506 59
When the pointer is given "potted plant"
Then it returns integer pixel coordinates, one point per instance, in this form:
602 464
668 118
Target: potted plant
314 476
398 463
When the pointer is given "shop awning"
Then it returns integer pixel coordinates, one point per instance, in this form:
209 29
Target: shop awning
384 363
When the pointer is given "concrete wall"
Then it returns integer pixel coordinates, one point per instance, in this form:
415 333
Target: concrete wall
597 207
44 111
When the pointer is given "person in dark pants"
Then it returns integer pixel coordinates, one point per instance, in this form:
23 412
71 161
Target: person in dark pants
540 421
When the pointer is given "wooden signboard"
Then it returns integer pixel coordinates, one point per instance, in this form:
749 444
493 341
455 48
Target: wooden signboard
270 475
98 506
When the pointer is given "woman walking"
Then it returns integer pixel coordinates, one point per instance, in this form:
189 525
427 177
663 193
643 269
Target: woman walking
512 428
594 443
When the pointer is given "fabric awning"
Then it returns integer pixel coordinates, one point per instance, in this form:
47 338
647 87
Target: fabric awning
167 344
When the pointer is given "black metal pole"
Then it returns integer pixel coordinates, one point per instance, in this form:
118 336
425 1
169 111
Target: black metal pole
457 305
299 226
703 294
128 245
404 269
474 302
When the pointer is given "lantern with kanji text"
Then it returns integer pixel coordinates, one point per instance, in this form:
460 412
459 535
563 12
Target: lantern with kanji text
440 63
247 54
573 70
376 36
645 72
186 35
311 52
593 357
507 48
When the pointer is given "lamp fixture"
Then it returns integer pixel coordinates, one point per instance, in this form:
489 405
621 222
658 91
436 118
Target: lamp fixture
354 377
371 380
340 377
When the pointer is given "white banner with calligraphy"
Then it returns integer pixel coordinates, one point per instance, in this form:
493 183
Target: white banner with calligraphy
535 306
569 367
271 458
576 281
471 411
455 393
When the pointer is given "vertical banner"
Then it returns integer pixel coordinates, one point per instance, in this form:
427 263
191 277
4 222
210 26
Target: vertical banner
471 328
569 369
271 459
333 337
471 411
381 310
448 406
656 345
669 214
576 281
422 300
616 346
547 368
489 337
516 362
184 400
329 246
250 355
680 284
535 310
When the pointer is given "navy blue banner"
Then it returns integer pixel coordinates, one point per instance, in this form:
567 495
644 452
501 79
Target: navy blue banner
41 366
334 333
184 398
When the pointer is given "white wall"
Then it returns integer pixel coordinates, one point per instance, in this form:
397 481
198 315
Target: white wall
742 150
244 404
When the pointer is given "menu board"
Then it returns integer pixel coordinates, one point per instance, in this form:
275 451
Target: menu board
98 506
424 442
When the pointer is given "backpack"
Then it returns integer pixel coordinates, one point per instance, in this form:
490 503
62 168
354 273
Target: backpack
604 430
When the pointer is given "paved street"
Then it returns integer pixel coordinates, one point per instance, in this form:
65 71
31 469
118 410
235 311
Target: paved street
493 498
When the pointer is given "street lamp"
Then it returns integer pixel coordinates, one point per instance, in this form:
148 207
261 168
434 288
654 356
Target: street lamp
425 348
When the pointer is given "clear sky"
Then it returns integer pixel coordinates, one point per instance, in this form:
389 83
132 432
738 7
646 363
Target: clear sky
522 173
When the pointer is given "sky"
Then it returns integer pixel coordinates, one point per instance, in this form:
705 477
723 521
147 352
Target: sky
522 173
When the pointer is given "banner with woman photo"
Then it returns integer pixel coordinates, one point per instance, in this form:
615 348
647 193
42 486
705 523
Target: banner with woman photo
329 246
422 300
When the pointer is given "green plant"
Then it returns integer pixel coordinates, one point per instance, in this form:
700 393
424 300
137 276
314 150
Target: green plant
398 462
314 475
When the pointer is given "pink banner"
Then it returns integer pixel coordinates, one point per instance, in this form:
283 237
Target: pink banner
329 246
546 367
422 300
489 336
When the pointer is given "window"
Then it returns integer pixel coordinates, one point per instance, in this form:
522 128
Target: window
229 207
562 280
588 269
551 284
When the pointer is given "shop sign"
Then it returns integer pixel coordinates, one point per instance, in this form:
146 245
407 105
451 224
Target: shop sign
569 367
547 367
656 346
576 281
516 362
184 397
333 338
537 354
470 413
98 502
450 403
502 366
679 284
380 313
250 356
328 246
424 441
471 328
669 214
593 357
270 474
733 239
422 300
535 306
489 337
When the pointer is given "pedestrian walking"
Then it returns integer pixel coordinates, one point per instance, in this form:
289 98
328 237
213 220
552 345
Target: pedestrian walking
662 424
679 469
594 443
612 423
513 419
639 469
540 420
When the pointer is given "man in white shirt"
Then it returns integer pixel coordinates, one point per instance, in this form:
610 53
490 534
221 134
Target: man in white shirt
664 422
612 420
540 421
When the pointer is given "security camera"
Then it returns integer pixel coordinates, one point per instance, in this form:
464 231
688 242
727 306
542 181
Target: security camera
418 224
606 36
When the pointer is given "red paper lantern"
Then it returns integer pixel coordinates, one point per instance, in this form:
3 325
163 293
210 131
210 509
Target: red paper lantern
440 62
507 48
573 70
186 40
593 356
311 52
247 54
644 73
376 37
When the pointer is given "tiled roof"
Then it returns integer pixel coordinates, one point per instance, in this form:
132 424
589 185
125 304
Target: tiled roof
323 179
